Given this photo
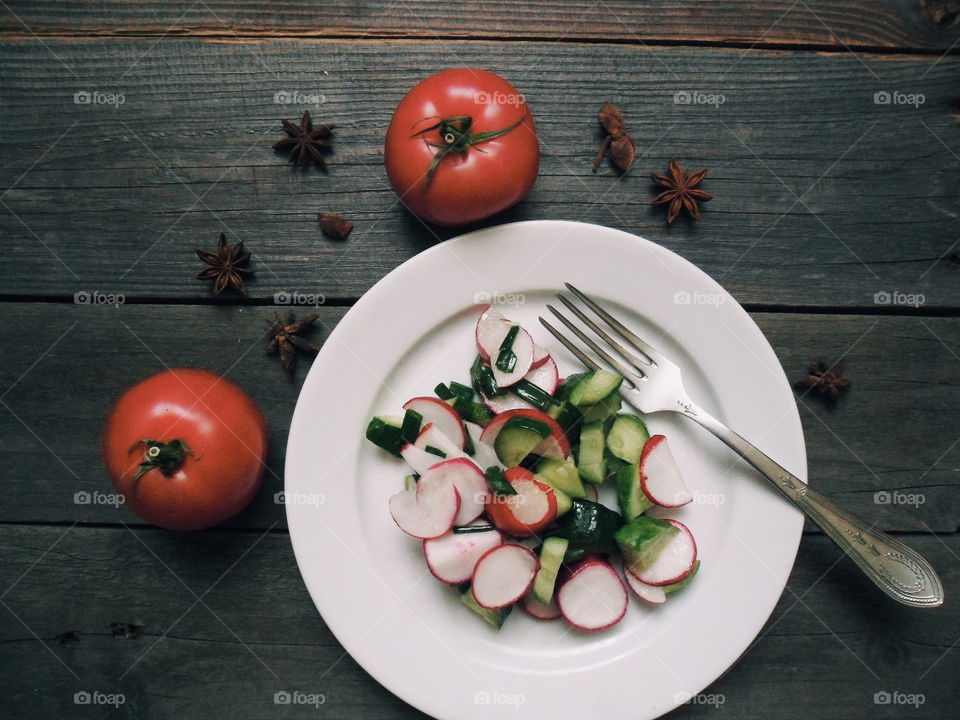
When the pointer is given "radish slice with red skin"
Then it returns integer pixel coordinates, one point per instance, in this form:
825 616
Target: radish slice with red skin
674 562
536 609
590 489
428 512
441 415
488 330
660 475
555 446
492 329
430 436
544 377
593 597
650 594
503 575
470 482
419 459
483 454
452 557
540 356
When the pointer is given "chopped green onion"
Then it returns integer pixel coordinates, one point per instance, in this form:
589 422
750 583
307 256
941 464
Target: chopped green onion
507 359
465 529
411 426
384 435
482 378
498 482
443 392
536 396
435 451
461 391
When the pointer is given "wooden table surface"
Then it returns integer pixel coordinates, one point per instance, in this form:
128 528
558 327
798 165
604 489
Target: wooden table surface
828 203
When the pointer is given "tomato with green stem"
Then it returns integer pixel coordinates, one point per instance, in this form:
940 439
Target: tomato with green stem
462 145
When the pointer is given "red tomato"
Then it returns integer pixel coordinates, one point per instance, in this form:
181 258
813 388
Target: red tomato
528 512
186 448
478 130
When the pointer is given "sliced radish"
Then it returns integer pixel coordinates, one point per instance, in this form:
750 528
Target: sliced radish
489 330
483 455
540 356
430 436
470 482
660 476
537 609
452 557
673 563
593 597
441 415
589 488
503 575
554 446
427 512
544 377
648 593
419 459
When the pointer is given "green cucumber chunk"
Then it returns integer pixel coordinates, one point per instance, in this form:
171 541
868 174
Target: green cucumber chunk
561 475
568 417
590 526
642 539
590 460
384 432
551 557
681 584
633 501
626 438
594 387
493 617
564 501
518 438
603 410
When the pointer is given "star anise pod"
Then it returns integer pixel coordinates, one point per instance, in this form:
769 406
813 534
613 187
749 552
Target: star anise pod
824 381
306 143
617 142
681 191
334 226
285 337
227 266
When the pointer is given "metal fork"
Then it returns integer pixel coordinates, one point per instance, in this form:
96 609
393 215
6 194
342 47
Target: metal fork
652 383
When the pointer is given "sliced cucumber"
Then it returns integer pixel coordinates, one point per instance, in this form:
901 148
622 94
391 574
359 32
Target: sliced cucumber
384 431
626 438
518 438
594 387
603 410
590 526
493 617
551 557
567 386
564 501
568 417
561 475
642 539
613 465
669 589
590 460
633 501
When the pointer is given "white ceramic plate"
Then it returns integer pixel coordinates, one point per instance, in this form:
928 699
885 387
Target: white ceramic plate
414 329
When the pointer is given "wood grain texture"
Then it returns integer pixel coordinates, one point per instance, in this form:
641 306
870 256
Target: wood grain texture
62 366
823 197
831 644
884 24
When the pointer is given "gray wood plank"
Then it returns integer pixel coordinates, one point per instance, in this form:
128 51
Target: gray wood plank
855 23
117 198
832 643
61 367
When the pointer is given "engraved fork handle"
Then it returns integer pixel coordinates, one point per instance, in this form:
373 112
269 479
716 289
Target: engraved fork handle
900 572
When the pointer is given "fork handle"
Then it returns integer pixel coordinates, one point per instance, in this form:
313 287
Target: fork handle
899 571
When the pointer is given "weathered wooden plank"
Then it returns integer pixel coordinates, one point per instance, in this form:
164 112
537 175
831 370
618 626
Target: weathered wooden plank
117 198
257 633
61 366
921 24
